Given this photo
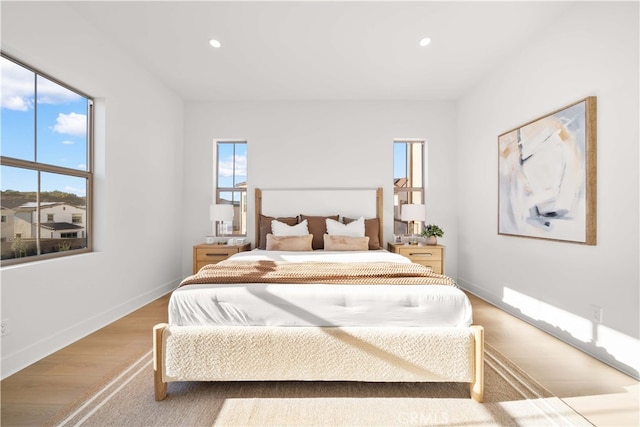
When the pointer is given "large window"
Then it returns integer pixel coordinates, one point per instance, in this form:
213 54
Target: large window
45 165
408 179
231 181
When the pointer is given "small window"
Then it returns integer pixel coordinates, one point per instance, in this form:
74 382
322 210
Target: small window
45 160
231 181
408 179
76 218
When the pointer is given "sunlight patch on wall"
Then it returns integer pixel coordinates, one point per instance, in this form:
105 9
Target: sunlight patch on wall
624 348
579 327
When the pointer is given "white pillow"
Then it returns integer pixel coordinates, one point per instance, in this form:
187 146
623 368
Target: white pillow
281 229
353 229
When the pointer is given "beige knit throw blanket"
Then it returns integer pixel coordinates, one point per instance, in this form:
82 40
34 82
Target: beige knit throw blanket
365 273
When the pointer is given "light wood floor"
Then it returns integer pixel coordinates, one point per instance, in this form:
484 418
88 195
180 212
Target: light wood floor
603 395
600 393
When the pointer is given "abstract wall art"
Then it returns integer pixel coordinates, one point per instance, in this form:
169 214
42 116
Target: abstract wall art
547 176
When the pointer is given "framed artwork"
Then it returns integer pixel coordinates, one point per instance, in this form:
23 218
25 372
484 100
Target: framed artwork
547 176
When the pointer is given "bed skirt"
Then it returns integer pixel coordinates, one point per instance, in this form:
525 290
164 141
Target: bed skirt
372 354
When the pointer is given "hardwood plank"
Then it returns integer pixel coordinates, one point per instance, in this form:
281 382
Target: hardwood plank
45 389
26 414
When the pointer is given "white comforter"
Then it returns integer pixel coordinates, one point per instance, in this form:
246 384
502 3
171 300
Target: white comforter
319 304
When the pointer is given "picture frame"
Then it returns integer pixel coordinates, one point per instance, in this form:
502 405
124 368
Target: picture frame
547 176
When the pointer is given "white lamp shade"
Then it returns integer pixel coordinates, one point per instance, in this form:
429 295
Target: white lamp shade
412 212
221 212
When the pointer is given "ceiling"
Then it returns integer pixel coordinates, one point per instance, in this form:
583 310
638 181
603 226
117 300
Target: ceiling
329 50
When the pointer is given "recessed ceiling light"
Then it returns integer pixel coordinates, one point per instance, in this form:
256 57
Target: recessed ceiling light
425 42
215 43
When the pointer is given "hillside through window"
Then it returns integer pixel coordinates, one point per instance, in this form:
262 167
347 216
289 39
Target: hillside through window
45 166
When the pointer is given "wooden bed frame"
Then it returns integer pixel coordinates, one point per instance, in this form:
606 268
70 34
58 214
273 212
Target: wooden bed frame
374 211
371 354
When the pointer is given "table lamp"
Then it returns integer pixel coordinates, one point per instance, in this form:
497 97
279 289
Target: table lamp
412 213
220 214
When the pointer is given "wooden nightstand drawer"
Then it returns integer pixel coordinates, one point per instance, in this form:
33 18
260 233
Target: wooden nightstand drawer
428 255
421 253
211 254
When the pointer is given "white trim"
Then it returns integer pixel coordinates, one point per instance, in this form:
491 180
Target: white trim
24 357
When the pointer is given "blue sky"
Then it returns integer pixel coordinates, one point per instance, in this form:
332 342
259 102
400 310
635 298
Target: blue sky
399 160
231 156
59 127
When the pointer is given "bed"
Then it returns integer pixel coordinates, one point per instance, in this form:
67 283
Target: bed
321 314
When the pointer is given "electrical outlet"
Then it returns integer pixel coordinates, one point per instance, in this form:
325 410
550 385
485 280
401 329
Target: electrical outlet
4 326
595 313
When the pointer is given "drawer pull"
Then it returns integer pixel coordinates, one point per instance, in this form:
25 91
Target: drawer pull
217 254
419 254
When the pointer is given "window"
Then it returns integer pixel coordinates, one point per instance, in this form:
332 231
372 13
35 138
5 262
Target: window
408 179
45 165
231 181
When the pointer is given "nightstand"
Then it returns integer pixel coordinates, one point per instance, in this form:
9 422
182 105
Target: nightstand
429 255
204 254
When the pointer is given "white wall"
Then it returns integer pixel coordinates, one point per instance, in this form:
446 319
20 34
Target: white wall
591 50
138 184
145 182
321 144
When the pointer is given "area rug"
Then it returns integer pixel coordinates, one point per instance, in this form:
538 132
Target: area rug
512 398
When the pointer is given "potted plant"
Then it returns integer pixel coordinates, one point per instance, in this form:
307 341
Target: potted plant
431 232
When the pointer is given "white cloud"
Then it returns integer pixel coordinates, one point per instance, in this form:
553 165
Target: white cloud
16 103
17 91
52 93
71 124
67 142
225 167
81 192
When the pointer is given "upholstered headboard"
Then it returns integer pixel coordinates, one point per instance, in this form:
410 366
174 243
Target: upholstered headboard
346 202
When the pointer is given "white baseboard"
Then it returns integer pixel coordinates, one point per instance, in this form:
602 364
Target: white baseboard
588 348
18 360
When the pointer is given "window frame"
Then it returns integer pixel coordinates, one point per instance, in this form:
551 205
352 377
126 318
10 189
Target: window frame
40 168
241 190
408 190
